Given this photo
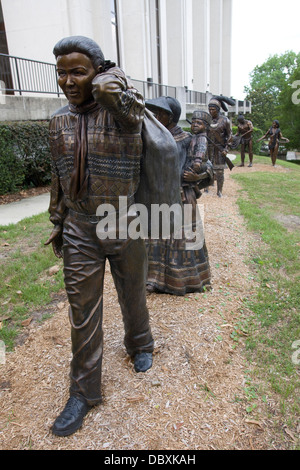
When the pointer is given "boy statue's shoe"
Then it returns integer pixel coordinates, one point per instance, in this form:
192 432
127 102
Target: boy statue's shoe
71 417
142 361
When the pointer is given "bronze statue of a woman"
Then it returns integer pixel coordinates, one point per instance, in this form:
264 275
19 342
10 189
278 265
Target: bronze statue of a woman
275 135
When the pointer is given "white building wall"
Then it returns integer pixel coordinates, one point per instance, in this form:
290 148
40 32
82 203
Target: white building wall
34 26
195 36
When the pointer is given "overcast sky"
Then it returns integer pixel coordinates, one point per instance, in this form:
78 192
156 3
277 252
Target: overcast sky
261 28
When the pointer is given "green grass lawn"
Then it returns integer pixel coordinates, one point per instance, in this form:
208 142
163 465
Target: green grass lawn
25 283
270 204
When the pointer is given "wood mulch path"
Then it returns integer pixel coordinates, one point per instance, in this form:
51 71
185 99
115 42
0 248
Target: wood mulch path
193 398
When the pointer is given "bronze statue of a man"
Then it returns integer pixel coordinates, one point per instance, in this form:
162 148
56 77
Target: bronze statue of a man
219 138
244 134
96 148
197 158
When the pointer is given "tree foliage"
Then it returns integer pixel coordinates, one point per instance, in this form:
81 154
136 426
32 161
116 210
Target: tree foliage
289 108
274 73
262 108
25 158
271 92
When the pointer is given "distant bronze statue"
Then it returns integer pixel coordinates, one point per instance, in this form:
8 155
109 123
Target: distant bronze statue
97 150
244 137
219 139
197 158
275 135
172 267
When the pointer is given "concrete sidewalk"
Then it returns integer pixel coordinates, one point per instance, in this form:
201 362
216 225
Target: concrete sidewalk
16 211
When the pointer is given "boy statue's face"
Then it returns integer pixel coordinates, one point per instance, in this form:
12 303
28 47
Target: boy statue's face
75 75
163 117
197 126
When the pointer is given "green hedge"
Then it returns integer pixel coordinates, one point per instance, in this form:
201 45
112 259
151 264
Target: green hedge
25 159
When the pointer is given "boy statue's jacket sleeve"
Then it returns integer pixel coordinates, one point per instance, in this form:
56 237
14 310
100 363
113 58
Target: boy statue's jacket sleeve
117 95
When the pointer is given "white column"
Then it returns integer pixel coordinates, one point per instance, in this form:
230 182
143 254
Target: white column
207 44
176 60
201 45
216 33
188 45
150 40
101 30
226 44
133 40
163 42
122 63
80 17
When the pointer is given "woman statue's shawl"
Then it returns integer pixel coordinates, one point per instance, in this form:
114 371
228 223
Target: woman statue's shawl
160 174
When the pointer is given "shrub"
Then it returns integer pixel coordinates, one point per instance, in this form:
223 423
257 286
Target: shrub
24 155
11 167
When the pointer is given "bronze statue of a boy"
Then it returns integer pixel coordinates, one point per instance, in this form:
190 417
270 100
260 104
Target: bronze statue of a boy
245 137
96 148
197 155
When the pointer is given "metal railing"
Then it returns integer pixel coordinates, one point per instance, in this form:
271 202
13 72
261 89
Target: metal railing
151 90
195 97
18 75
